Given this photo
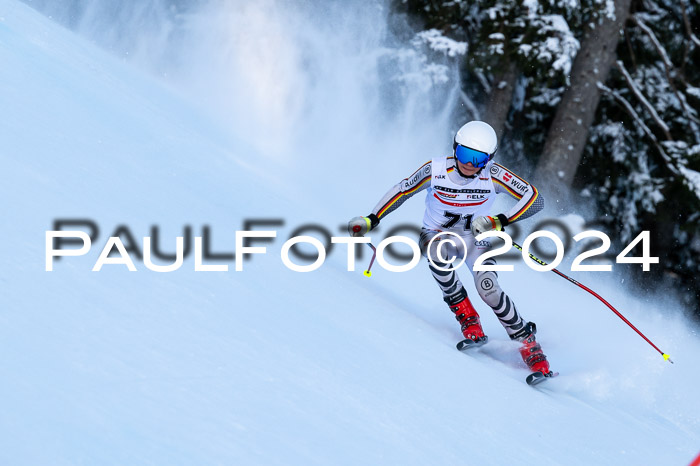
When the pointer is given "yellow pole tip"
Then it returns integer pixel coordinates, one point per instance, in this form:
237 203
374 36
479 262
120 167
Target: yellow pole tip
368 273
667 358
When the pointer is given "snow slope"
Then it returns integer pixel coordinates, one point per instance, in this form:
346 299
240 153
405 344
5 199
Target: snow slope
269 366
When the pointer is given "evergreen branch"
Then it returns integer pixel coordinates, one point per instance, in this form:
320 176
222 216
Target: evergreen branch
693 38
670 69
657 45
635 116
645 103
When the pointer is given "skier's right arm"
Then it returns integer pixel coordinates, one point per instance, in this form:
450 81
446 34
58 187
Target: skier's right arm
391 201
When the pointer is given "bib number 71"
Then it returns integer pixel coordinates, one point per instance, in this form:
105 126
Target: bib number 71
454 218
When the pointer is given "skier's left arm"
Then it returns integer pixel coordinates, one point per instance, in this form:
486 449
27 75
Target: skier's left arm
530 201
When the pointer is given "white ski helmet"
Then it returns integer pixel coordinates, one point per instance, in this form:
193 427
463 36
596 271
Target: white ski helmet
475 143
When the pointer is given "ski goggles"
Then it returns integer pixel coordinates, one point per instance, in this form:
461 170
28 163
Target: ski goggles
467 155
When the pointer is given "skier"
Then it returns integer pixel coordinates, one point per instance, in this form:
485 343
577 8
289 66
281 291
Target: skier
460 191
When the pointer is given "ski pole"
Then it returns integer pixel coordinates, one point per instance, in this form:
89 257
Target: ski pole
541 262
374 255
367 272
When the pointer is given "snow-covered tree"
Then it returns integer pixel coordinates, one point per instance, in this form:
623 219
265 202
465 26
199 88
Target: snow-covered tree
568 132
641 144
518 62
642 163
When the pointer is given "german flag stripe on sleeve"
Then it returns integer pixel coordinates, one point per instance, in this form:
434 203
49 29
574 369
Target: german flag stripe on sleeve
400 195
535 194
508 188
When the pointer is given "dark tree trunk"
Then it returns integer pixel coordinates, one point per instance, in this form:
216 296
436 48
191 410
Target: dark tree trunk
568 132
498 103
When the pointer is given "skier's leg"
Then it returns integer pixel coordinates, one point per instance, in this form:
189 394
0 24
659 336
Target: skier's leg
453 291
491 293
445 276
490 290
531 351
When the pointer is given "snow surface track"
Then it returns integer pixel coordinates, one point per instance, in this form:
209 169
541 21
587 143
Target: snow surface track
269 366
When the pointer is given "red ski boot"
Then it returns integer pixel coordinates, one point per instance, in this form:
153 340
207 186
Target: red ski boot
467 316
531 351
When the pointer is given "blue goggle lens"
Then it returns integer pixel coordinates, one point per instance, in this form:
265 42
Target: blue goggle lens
476 158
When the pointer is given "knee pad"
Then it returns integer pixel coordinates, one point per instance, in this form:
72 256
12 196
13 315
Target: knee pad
488 288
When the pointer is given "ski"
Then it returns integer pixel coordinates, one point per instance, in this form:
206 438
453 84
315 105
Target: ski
469 343
539 377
